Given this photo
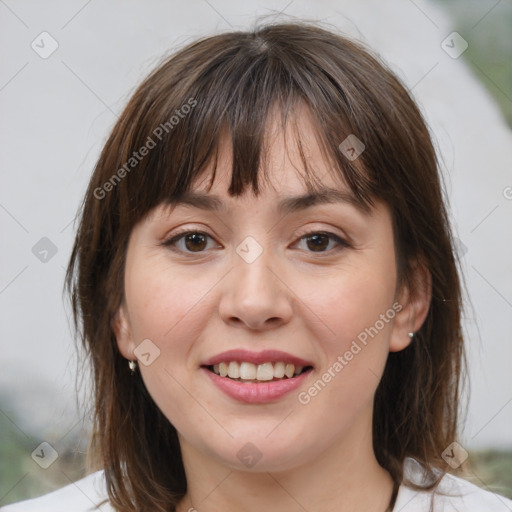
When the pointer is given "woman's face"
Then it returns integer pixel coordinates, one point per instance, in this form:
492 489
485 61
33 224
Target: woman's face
316 283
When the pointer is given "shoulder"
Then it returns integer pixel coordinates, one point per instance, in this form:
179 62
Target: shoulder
454 494
83 495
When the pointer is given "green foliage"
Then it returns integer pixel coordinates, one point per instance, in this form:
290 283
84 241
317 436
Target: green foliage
486 26
491 470
21 477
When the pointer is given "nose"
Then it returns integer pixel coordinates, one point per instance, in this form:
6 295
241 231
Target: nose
256 295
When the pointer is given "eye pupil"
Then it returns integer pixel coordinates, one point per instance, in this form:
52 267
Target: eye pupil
317 241
194 238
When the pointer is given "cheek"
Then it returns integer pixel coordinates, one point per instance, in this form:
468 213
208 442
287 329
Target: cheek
355 308
152 301
351 301
164 306
167 310
357 317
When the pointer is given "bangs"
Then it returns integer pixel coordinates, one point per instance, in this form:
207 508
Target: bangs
233 97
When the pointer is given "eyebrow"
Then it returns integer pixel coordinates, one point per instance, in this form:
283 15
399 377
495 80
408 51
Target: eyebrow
286 205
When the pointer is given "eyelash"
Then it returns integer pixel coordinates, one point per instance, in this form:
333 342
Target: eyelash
181 234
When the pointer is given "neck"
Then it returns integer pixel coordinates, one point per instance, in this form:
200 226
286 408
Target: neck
336 481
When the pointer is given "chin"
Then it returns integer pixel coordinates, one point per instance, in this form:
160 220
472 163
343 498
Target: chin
258 453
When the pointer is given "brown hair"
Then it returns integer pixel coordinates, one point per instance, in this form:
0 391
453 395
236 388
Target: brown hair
227 84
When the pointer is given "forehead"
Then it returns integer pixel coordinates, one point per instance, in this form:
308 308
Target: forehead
295 171
292 160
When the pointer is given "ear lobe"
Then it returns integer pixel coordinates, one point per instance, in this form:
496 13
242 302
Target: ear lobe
122 331
415 306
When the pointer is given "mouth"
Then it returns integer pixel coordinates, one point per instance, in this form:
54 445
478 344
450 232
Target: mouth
245 371
257 377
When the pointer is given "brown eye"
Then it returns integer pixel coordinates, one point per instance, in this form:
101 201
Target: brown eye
195 241
192 241
319 242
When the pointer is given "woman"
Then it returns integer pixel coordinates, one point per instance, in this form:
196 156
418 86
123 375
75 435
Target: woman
296 346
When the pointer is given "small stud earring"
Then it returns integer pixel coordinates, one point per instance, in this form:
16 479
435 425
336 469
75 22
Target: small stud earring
132 365
411 335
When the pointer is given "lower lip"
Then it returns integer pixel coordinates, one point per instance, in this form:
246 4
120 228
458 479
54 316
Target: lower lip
256 393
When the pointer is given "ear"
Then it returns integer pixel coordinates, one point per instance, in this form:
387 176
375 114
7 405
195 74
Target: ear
121 327
415 301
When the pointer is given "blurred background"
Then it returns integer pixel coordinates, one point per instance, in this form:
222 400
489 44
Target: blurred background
67 69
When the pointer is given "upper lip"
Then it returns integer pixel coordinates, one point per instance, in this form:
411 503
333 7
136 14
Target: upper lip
265 356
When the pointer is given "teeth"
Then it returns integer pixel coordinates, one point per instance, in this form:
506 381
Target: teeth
223 369
247 371
279 370
233 370
289 370
265 371
260 372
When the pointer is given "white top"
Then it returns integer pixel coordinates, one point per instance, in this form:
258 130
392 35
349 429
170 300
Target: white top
462 496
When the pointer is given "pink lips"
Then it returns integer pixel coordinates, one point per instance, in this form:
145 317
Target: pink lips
256 392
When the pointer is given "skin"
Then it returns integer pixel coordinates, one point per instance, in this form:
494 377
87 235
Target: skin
312 304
